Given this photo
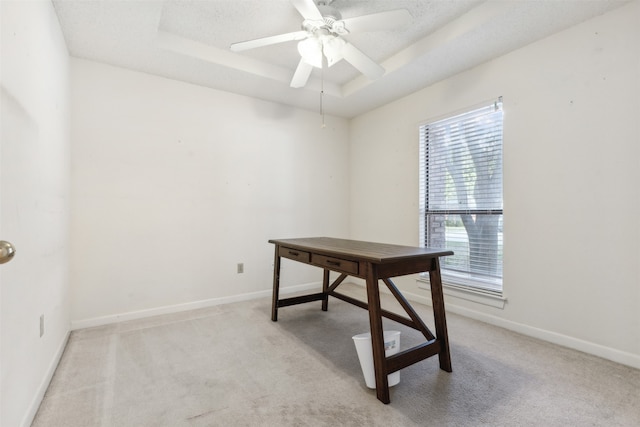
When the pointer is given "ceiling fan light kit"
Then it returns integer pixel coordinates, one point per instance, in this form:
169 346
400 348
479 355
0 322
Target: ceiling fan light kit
321 37
311 51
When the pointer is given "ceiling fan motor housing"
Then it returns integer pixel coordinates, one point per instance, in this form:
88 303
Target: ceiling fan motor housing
329 14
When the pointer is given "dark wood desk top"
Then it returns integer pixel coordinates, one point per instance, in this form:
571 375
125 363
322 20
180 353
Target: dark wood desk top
378 253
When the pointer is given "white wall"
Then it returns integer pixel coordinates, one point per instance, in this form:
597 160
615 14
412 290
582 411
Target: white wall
571 174
174 184
35 204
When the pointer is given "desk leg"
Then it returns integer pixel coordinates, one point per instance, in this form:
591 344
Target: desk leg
377 337
325 289
276 286
439 316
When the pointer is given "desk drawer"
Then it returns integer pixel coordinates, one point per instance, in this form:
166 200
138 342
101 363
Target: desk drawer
295 254
336 264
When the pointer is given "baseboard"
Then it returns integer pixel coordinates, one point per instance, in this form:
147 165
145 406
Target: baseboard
608 353
44 385
132 315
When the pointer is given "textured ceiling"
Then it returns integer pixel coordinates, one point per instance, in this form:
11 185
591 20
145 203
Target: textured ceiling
189 41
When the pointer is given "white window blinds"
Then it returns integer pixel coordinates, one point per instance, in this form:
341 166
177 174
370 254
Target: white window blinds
461 195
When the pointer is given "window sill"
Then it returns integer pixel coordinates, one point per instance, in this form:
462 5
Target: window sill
485 298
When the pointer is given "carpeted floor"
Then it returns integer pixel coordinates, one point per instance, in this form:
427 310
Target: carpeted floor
231 366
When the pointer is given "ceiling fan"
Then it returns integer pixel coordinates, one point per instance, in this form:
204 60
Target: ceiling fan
321 38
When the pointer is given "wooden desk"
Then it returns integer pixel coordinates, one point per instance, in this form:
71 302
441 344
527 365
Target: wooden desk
372 262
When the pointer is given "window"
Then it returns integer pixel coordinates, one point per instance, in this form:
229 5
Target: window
461 195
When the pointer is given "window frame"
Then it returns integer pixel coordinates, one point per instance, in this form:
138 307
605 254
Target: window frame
457 281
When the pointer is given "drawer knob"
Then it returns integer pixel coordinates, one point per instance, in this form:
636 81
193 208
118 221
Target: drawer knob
336 263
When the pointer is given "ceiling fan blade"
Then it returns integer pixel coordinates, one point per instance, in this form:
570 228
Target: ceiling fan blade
266 41
362 62
308 9
389 20
302 74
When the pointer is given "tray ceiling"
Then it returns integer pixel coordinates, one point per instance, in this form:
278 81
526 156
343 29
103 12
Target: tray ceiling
189 41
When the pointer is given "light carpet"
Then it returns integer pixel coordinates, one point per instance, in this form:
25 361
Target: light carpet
231 365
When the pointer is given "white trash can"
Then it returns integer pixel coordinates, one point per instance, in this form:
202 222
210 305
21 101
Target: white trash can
365 355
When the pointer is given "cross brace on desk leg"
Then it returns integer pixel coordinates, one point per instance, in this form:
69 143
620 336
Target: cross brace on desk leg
417 321
327 290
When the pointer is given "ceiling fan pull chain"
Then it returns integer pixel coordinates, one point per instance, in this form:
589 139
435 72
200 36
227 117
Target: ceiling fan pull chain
322 96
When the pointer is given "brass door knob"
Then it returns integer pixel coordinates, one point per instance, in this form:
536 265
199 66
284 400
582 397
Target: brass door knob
7 251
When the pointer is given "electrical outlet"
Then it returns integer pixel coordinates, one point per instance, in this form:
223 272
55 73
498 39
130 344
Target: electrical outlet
240 267
41 325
